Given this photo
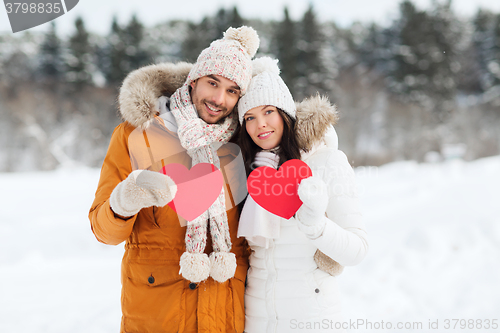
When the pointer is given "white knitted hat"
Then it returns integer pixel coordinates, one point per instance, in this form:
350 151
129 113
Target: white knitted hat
266 88
229 57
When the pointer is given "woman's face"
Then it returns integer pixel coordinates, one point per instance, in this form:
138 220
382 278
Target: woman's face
265 126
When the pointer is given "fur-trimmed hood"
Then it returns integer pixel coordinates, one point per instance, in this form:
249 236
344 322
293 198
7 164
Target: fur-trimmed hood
141 89
315 116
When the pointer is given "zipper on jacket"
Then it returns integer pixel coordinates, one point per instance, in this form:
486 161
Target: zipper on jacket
271 281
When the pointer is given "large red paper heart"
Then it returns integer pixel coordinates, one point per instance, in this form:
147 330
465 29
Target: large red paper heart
197 188
276 190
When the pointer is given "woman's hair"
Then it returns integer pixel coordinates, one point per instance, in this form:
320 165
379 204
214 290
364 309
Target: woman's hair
288 148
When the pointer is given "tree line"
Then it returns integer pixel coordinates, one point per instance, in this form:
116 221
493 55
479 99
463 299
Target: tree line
429 65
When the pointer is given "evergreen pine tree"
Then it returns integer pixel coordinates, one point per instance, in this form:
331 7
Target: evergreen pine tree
80 59
221 21
51 66
191 44
199 37
485 52
285 39
425 60
136 54
482 42
369 46
411 53
225 19
310 69
376 48
235 19
494 59
474 76
113 60
447 37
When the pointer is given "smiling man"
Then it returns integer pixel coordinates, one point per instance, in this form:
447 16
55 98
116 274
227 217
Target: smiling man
178 275
214 97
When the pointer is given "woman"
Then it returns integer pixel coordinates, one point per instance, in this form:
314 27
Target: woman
291 283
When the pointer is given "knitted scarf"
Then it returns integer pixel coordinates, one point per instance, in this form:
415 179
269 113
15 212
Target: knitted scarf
202 140
256 224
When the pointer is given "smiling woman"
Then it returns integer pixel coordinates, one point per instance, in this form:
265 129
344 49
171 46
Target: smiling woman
264 124
295 260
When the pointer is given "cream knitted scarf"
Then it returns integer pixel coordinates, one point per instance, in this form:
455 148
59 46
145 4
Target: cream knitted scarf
256 224
202 140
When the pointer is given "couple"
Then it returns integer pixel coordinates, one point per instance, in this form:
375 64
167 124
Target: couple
191 276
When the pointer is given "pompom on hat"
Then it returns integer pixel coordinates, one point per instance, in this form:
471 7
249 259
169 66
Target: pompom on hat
229 57
266 88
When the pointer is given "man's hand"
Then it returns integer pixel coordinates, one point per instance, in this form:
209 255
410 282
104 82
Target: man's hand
142 188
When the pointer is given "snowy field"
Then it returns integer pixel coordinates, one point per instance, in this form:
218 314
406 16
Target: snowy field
434 235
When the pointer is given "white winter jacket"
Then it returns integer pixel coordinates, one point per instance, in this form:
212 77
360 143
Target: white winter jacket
286 291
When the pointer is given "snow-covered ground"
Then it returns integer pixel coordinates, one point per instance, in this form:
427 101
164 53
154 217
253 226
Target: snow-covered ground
434 246
434 251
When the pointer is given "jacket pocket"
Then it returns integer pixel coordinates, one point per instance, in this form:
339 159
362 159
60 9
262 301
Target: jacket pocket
152 296
165 217
327 292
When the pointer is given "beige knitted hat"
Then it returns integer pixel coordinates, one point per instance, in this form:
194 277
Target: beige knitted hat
229 57
266 88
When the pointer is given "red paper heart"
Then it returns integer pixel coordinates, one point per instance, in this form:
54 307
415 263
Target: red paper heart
276 190
197 188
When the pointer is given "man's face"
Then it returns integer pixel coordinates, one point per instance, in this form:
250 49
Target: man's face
214 97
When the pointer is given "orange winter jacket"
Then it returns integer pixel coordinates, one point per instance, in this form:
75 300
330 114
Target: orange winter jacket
155 298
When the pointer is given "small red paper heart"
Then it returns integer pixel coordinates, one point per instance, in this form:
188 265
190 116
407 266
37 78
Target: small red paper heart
276 190
197 188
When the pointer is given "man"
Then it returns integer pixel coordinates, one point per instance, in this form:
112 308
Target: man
178 277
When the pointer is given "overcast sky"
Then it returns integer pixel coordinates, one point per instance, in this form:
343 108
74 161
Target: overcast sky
98 13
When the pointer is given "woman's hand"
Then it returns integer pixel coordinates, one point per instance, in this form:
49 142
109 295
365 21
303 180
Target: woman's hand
313 192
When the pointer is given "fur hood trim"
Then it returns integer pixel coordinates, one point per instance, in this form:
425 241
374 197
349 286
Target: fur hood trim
139 93
315 115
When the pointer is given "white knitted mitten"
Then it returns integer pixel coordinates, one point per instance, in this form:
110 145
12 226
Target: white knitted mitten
313 192
142 188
